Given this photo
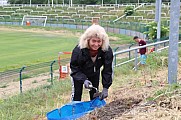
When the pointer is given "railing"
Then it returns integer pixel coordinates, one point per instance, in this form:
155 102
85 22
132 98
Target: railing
135 49
37 75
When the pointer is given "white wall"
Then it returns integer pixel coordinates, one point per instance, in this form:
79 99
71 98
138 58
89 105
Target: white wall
3 2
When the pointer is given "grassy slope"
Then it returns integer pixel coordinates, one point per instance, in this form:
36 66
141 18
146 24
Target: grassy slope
36 103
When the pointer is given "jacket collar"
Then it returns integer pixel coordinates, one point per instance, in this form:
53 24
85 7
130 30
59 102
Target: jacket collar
85 51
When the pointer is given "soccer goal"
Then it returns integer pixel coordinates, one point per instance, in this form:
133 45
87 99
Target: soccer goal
34 20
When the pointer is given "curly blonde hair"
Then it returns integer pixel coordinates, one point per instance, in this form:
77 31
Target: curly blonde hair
94 31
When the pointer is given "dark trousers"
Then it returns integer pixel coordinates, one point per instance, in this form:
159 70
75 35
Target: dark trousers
78 87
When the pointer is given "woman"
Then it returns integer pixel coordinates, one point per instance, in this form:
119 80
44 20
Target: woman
92 52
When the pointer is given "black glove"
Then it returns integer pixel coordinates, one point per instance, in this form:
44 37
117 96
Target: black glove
104 93
87 84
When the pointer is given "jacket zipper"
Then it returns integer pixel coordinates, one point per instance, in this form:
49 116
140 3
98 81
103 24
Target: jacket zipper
94 69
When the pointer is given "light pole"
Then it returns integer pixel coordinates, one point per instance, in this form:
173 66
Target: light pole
70 3
116 2
173 41
48 2
52 3
30 3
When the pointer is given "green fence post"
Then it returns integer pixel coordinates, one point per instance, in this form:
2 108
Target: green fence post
51 71
129 51
20 77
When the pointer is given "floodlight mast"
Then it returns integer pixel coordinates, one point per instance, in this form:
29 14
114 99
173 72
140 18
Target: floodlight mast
48 2
173 41
116 2
159 2
71 3
30 3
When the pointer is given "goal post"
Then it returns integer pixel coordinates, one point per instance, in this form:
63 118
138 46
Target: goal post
34 20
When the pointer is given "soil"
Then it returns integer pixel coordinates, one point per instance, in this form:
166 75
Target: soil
13 88
129 102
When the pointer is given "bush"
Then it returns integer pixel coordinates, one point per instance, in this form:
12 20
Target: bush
129 11
152 30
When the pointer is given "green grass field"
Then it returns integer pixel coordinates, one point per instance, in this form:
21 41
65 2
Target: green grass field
24 48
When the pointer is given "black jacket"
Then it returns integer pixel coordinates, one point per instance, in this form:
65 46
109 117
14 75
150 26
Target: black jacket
83 68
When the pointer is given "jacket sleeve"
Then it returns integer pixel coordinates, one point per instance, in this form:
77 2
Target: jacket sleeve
107 69
75 67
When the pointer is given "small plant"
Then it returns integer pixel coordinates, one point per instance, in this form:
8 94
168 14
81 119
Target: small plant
24 76
3 86
49 80
35 81
129 11
149 98
152 30
47 86
159 92
174 86
1 101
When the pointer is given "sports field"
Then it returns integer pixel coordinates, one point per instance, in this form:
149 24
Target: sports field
24 47
27 46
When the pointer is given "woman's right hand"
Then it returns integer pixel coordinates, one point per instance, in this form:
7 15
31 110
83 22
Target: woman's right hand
87 84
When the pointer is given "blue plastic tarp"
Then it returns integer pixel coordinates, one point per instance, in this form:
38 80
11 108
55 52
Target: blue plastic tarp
75 109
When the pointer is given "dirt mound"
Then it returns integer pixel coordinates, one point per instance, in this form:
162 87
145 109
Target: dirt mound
115 109
133 102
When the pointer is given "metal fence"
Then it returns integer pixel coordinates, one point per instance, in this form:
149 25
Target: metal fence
49 70
126 28
30 71
159 45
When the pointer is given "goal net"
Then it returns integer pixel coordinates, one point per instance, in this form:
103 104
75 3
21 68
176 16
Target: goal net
34 20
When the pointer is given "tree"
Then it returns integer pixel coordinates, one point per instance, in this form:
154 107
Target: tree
27 1
129 11
152 30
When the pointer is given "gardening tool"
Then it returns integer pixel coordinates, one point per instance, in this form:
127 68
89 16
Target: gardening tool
97 93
